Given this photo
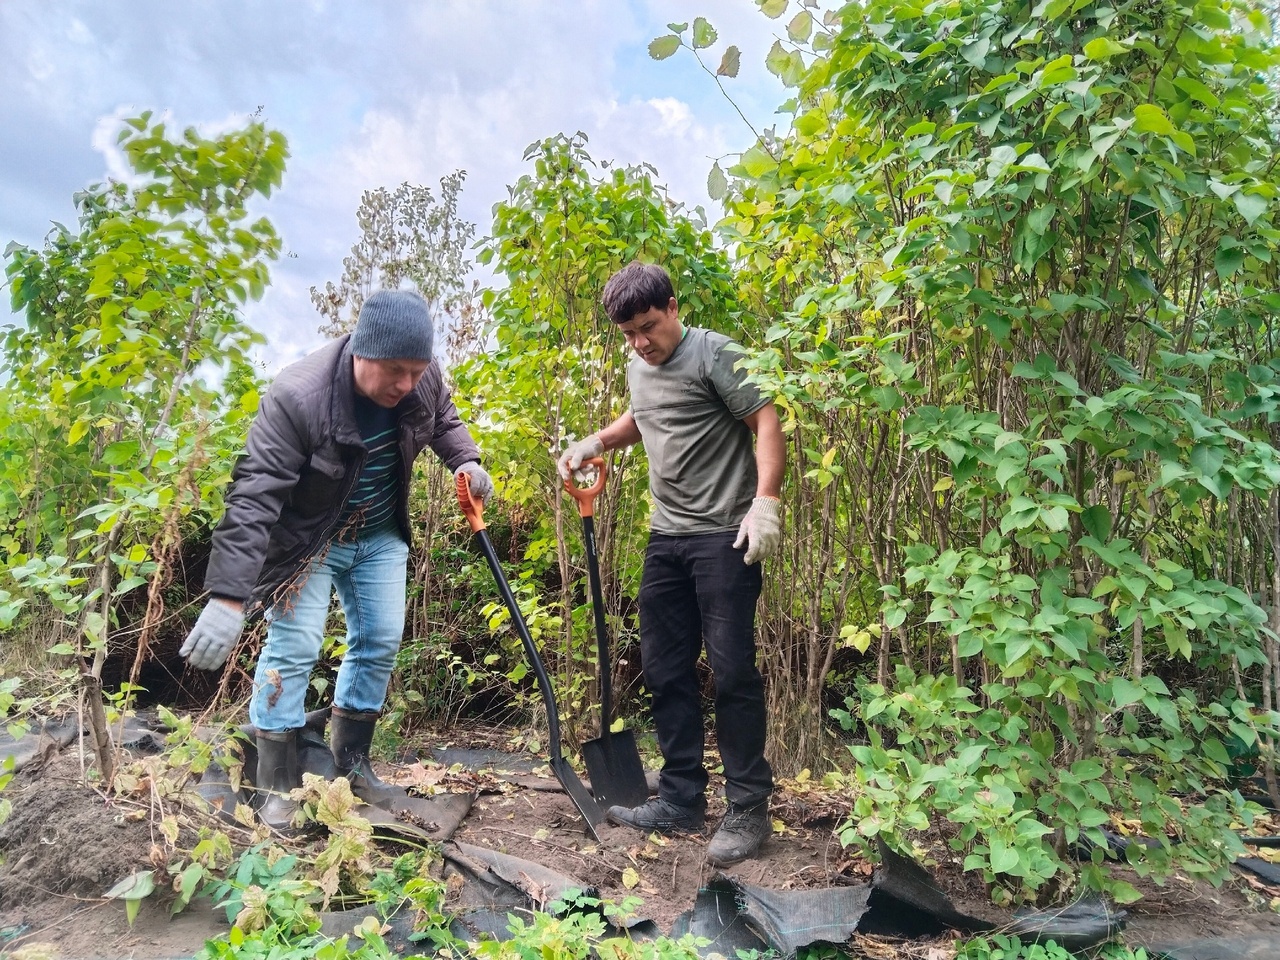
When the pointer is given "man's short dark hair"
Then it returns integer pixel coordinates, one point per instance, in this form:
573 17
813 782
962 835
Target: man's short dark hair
634 289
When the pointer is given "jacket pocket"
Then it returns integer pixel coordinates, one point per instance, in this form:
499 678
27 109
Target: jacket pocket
287 540
320 485
420 434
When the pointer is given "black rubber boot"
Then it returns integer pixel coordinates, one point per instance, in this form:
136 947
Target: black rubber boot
742 831
278 774
350 737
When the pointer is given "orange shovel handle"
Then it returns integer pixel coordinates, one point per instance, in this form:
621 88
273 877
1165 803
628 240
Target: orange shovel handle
472 508
586 496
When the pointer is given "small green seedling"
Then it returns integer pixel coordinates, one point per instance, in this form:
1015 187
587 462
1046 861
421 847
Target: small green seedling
133 889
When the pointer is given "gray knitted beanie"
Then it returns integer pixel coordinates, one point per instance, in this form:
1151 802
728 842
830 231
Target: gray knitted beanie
393 325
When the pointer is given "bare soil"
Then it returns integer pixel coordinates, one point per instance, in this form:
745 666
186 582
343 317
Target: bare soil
66 844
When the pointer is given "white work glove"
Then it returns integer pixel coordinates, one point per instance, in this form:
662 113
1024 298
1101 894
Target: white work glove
214 636
481 484
579 450
761 530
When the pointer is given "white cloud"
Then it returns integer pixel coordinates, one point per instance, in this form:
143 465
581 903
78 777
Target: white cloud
369 95
78 32
39 65
104 140
676 115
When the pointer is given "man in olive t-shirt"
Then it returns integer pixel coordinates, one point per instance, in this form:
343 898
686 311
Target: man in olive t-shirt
716 516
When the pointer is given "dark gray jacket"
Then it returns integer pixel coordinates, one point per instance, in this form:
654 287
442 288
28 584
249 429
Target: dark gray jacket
302 459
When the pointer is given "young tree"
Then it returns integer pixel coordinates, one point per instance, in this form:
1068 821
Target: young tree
1023 263
557 369
406 235
113 430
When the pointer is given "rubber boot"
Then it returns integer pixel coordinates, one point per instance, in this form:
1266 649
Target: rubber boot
350 736
278 774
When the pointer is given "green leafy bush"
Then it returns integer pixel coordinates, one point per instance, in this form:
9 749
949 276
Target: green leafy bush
1019 264
1001 947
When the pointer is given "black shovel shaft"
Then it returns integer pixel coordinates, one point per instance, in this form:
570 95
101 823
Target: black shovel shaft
602 636
530 648
473 510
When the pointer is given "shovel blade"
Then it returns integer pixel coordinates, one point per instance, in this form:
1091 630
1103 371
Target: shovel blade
591 811
617 775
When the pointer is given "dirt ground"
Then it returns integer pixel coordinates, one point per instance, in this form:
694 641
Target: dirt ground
65 845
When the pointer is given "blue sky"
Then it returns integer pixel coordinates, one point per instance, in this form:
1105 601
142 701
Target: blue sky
369 94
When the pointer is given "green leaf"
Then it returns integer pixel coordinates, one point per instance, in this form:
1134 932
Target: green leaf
757 162
1023 512
975 53
808 124
1148 118
717 184
801 26
1196 90
1228 260
1207 459
120 452
129 583
1250 206
778 59
1001 157
1040 218
149 301
1055 518
887 398
1215 16
663 47
189 882
1103 48
772 9
1097 520
1007 470
1223 190
1123 892
1003 857
729 63
1124 692
1215 751
133 887
704 34
1033 161
78 430
1057 71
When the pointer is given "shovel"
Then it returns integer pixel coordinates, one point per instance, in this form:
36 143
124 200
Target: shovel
473 510
613 762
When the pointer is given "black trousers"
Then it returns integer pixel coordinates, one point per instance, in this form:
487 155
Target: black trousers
696 591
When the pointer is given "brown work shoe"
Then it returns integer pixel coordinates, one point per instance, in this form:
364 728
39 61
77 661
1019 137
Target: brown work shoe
740 835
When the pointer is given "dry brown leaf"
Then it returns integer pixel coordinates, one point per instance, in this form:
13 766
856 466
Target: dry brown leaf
418 774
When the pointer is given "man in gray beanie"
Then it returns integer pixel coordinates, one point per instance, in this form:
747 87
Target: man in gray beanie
319 501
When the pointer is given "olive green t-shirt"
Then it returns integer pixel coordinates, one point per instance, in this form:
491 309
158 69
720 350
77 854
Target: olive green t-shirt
702 466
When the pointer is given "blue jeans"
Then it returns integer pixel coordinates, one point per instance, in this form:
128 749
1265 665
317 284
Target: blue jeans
696 594
369 574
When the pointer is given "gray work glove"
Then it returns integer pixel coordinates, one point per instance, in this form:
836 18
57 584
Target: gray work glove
579 450
761 529
481 484
214 636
